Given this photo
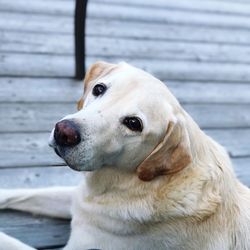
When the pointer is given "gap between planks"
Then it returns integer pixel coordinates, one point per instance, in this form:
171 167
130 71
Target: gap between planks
14 43
63 66
24 90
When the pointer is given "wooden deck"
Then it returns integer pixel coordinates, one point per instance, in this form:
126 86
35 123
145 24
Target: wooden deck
200 48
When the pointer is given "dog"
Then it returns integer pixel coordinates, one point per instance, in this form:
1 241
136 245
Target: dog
152 178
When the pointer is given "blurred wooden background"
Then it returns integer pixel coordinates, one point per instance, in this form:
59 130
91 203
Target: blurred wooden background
201 49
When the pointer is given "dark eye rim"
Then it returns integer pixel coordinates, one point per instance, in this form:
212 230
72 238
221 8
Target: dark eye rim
96 91
125 121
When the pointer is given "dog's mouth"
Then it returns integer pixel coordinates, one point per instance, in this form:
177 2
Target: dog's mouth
60 152
57 152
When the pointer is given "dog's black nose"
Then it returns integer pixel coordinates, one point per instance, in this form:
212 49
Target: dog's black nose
67 133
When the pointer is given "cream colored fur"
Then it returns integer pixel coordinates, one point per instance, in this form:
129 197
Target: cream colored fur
201 207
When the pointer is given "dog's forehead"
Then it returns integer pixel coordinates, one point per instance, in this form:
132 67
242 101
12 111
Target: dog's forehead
138 90
129 80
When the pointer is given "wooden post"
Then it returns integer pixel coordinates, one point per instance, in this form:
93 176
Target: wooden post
80 20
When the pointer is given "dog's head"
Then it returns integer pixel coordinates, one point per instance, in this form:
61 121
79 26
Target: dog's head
126 119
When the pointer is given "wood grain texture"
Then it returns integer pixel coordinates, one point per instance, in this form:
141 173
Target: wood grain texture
51 90
236 141
55 7
51 26
165 15
63 66
223 7
36 65
25 90
114 28
36 23
189 70
137 13
158 31
66 7
29 149
39 232
33 43
36 177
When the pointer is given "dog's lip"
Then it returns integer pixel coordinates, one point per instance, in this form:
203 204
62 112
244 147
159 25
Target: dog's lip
52 144
57 152
74 167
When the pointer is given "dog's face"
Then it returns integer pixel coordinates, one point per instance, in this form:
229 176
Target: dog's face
123 115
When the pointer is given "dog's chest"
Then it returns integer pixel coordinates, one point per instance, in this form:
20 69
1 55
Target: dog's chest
93 228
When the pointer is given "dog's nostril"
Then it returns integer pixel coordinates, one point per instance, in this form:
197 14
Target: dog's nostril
67 133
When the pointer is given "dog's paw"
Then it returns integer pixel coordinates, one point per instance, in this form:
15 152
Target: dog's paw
10 243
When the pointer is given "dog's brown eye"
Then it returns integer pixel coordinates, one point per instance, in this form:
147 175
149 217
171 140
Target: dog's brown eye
133 123
99 89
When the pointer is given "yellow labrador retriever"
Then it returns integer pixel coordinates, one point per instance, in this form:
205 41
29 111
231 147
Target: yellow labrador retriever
152 178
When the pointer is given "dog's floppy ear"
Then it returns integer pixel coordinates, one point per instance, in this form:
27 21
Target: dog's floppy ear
97 70
170 156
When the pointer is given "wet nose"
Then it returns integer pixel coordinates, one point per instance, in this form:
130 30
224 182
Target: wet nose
67 133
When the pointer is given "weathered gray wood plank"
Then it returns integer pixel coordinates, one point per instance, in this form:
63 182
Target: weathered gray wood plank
164 15
190 70
115 28
36 177
169 50
219 116
119 47
19 149
224 7
30 42
39 232
66 7
132 13
36 65
63 66
40 117
25 90
236 141
55 7
33 116
50 90
35 23
136 13
200 92
27 150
